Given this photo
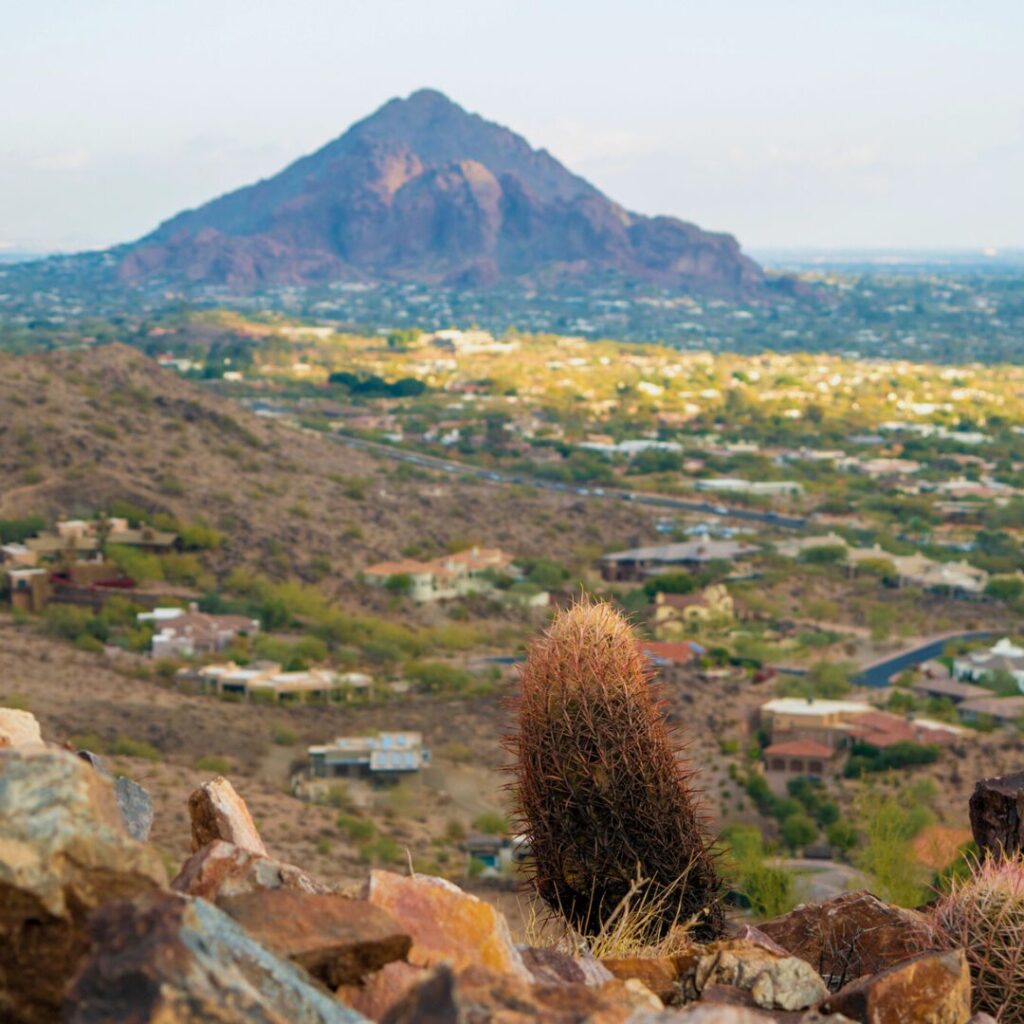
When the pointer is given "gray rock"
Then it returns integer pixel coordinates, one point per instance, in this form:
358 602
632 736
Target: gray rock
168 957
135 804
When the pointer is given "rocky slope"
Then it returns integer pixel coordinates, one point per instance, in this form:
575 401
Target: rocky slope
424 191
92 932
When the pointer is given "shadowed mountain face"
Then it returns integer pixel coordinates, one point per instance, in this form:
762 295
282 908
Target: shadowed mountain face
424 191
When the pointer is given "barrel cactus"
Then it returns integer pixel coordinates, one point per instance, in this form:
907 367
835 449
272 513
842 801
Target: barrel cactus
604 796
983 914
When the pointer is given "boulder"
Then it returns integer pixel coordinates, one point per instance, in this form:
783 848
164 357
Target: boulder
850 935
218 812
135 803
19 728
63 851
447 925
477 994
220 870
383 989
774 982
997 814
932 988
336 939
550 965
167 958
663 975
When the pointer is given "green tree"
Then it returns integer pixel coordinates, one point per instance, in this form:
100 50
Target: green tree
798 831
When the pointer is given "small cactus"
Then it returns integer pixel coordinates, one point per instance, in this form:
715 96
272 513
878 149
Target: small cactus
983 914
604 798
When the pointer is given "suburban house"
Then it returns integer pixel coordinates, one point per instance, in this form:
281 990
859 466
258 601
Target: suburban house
794 759
641 563
1005 656
386 757
88 536
942 687
265 681
838 723
451 576
1001 710
676 614
954 578
762 488
800 545
181 633
30 589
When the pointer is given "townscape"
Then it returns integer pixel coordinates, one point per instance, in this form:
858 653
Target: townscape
434 591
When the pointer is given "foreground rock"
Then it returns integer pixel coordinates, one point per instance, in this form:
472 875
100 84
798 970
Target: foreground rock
63 852
934 988
851 935
165 958
336 939
550 965
19 728
774 982
218 812
447 925
476 995
135 803
221 870
997 814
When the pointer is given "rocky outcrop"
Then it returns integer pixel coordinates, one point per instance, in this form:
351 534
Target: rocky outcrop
851 935
997 814
218 812
166 957
933 988
18 728
63 852
90 933
447 925
336 939
220 870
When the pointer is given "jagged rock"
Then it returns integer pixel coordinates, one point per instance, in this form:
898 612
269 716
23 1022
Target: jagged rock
662 975
218 812
750 933
221 870
136 807
734 1013
997 813
933 988
447 925
336 939
19 728
774 982
167 958
476 994
383 989
851 935
549 965
63 852
135 803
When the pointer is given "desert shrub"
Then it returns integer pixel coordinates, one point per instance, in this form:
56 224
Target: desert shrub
798 831
283 735
356 828
604 801
983 914
439 677
213 763
140 565
867 758
768 888
491 823
823 554
125 746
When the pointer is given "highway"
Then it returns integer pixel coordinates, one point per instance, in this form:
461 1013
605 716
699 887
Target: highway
498 476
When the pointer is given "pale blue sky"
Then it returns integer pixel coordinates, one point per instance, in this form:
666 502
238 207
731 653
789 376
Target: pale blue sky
788 123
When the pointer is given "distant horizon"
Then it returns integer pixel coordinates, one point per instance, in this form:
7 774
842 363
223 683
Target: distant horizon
788 126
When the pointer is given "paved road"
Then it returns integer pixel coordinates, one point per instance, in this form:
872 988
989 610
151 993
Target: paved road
880 672
818 880
502 477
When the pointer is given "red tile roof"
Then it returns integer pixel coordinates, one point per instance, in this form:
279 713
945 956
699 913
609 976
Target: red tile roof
676 653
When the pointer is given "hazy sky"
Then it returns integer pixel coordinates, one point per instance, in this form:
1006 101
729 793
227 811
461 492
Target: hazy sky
788 123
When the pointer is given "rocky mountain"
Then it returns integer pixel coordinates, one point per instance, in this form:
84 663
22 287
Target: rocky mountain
423 191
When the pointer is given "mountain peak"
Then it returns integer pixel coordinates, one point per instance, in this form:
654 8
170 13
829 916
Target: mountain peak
423 190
